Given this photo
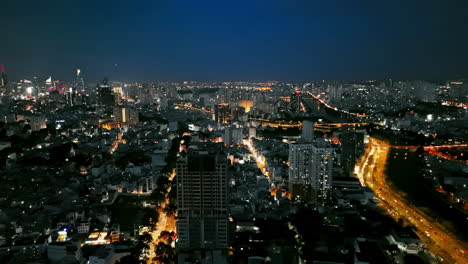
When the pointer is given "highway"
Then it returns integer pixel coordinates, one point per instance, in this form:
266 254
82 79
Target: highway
334 108
438 151
283 124
193 108
457 104
371 172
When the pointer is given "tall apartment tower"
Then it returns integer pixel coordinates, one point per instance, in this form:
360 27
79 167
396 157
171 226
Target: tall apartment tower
202 222
307 131
296 99
310 167
233 136
126 115
222 113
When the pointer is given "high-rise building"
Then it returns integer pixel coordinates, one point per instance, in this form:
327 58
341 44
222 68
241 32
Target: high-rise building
252 132
3 77
335 92
233 136
247 104
57 86
80 84
202 206
296 99
352 146
222 113
238 114
70 97
163 103
126 116
307 131
310 165
104 93
49 84
458 92
299 163
36 86
389 83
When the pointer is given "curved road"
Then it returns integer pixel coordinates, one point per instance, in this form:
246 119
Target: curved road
370 171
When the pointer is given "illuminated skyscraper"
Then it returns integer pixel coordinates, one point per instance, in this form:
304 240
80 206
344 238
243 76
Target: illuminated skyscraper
3 77
80 85
126 115
247 104
70 97
299 160
222 113
311 166
58 86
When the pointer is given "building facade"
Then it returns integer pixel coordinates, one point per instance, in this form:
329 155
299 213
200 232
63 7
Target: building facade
202 220
311 165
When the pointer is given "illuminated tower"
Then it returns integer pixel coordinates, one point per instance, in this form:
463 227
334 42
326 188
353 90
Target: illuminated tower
58 86
125 115
3 77
222 113
48 84
80 85
247 104
311 166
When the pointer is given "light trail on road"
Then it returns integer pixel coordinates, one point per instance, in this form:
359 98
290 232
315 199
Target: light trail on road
193 108
165 223
118 140
262 165
332 107
437 150
273 123
371 172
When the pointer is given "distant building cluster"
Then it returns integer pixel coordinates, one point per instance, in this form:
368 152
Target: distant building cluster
216 172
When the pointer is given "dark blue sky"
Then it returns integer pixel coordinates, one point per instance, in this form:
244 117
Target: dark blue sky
235 40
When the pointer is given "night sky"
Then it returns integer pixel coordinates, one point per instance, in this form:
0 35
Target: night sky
235 40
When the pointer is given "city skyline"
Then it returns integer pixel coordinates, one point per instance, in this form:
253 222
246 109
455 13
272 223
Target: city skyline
259 132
